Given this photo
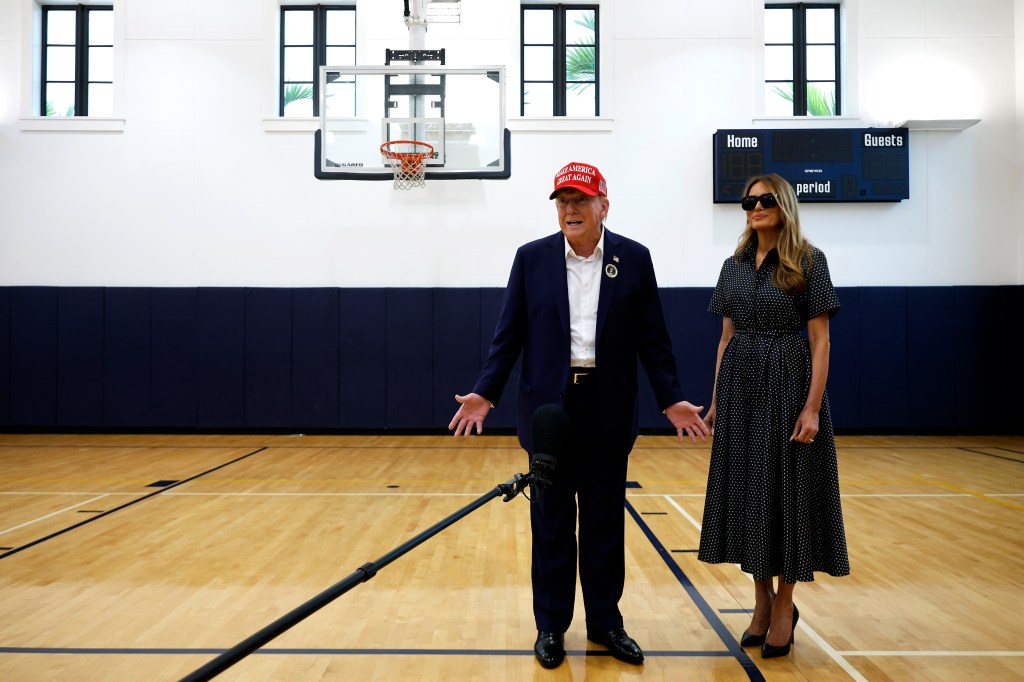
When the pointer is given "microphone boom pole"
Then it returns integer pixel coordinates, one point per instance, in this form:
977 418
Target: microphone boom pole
228 658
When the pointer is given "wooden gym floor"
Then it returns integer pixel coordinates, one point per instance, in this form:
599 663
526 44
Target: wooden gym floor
143 557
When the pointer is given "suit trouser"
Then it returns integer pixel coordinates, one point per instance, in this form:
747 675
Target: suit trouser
598 478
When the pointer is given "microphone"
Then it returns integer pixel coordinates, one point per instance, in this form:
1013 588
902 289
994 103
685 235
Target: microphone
550 432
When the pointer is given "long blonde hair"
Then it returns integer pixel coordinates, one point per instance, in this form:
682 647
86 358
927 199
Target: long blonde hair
795 252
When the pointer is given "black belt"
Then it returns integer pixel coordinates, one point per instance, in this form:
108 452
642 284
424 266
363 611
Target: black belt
582 376
771 333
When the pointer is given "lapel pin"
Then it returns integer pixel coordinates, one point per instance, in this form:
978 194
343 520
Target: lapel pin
615 258
611 271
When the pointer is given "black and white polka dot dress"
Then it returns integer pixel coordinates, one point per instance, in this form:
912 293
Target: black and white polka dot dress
772 505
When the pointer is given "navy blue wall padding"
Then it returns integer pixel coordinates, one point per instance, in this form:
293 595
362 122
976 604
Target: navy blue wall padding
978 380
503 416
5 356
362 357
903 360
695 334
33 366
931 355
844 361
410 358
315 372
882 340
220 363
127 384
175 357
316 331
80 341
268 358
1013 358
456 342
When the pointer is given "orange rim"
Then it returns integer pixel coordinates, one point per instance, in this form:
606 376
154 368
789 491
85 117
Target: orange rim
408 159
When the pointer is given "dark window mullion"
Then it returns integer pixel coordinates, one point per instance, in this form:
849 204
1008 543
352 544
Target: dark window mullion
319 52
42 62
835 37
522 60
799 61
82 62
280 62
597 63
559 55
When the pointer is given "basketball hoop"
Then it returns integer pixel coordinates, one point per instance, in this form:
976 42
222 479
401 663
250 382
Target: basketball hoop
406 158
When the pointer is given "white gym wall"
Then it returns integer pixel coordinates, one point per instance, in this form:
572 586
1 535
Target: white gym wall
197 183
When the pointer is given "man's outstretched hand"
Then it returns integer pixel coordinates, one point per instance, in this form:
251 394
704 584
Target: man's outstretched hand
686 420
473 409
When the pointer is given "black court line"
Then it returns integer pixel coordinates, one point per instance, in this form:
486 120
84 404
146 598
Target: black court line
989 454
121 651
731 644
125 505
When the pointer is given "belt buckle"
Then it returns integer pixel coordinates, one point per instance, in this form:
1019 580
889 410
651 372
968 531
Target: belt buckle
576 377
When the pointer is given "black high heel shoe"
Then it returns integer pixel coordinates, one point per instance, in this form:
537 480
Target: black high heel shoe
748 640
771 651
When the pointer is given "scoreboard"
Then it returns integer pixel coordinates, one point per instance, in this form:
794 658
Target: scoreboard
823 165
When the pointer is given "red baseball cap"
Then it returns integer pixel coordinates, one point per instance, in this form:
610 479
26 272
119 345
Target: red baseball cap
581 176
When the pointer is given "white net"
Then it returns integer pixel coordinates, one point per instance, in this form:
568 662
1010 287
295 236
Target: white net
407 159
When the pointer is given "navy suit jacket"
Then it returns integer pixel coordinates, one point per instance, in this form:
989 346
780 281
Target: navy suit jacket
534 321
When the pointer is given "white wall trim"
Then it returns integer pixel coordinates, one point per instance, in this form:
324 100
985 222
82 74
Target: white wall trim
561 124
71 124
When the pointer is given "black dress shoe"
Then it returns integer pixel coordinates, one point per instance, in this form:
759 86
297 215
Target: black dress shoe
549 648
772 651
752 640
620 644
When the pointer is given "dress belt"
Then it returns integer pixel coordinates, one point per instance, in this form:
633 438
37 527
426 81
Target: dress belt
756 372
772 333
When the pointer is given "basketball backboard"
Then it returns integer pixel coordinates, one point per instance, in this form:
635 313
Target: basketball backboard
459 111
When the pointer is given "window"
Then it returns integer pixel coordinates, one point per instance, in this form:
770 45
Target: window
77 61
313 36
560 58
801 60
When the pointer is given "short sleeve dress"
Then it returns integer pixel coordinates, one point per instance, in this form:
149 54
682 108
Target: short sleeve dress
772 504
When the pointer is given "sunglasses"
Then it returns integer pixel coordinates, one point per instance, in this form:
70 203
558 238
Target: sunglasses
749 203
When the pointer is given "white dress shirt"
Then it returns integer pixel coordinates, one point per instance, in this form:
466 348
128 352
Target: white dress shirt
584 278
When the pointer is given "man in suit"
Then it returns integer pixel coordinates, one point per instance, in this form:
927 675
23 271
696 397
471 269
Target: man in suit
582 306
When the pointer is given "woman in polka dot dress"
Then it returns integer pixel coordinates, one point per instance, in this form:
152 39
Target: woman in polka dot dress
772 501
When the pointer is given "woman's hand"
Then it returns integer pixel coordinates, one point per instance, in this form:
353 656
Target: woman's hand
806 426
